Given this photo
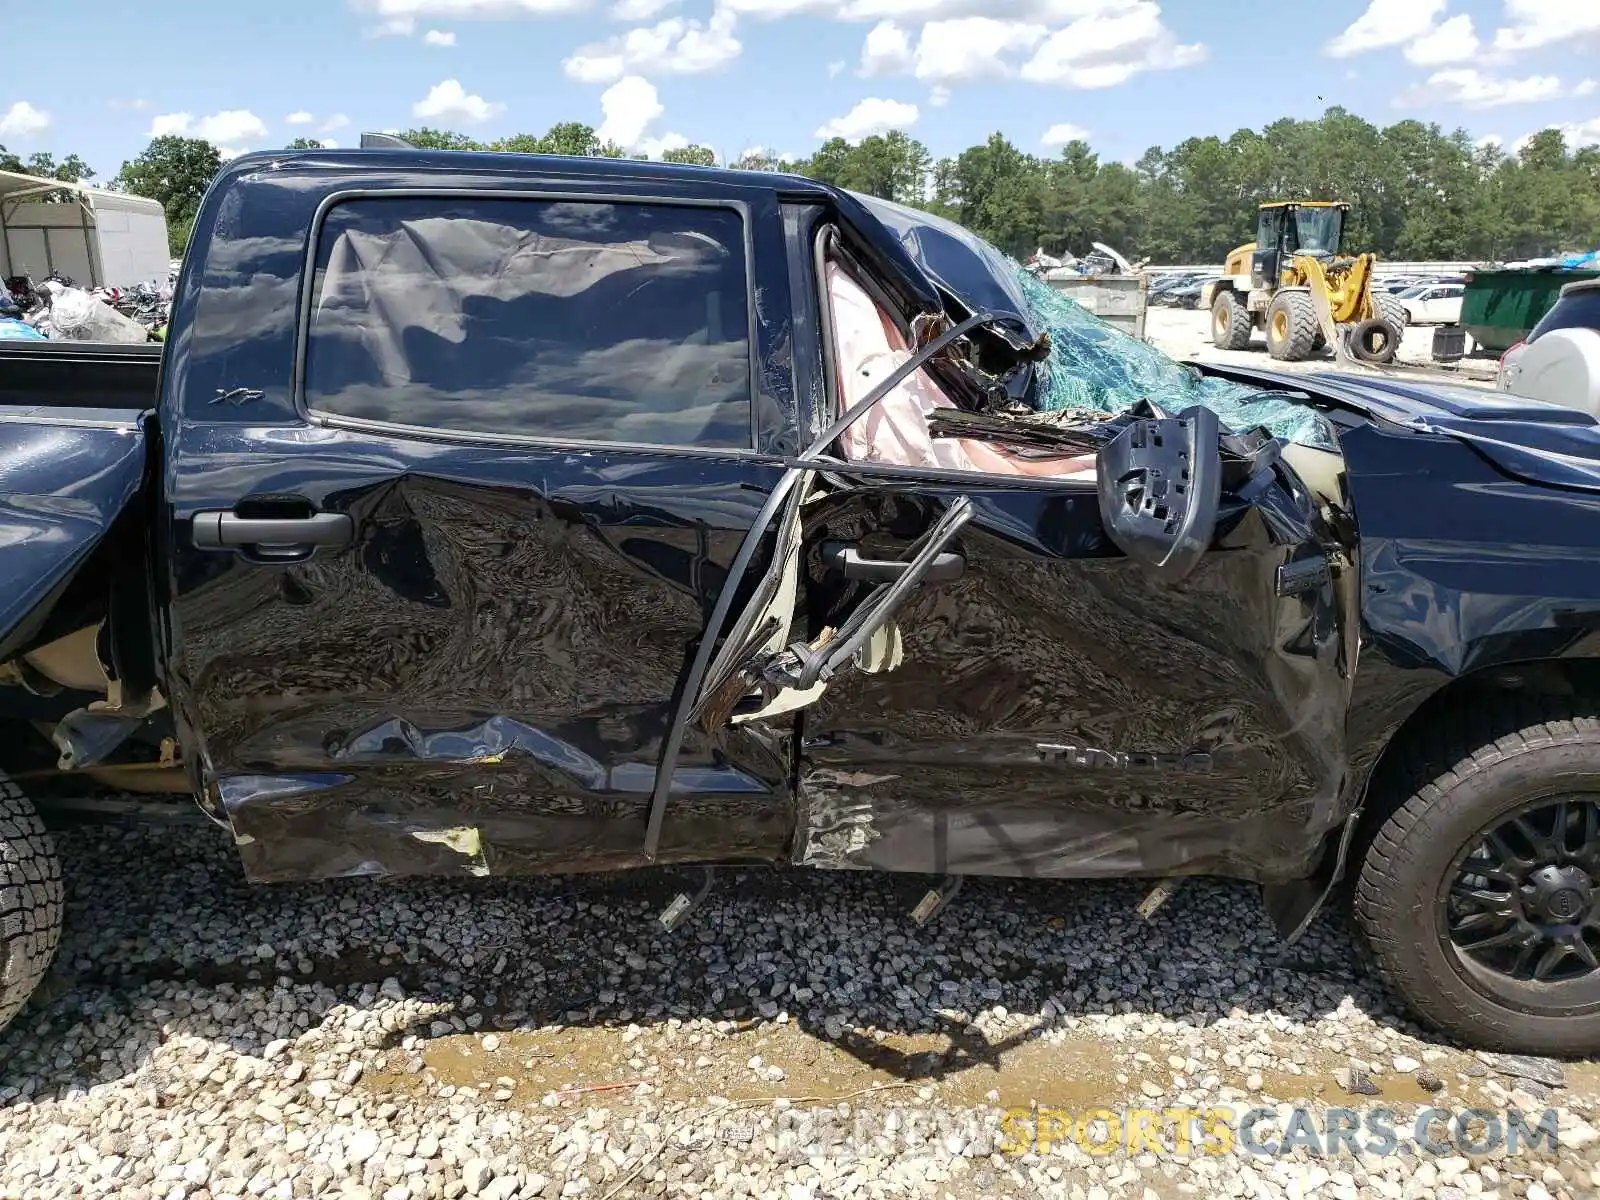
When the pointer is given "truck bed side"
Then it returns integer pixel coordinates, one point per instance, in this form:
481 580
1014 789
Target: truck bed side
79 375
66 474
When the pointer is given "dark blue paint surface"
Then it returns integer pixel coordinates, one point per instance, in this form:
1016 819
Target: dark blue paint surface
65 475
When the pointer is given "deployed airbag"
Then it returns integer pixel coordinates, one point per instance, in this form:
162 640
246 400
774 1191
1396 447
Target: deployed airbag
868 347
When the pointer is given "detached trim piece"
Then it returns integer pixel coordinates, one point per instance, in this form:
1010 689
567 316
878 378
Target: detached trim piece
810 460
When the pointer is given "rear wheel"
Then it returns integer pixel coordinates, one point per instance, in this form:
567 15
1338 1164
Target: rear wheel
1231 324
1291 326
31 900
1394 312
1480 891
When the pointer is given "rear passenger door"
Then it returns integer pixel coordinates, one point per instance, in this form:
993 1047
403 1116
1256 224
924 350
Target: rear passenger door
431 603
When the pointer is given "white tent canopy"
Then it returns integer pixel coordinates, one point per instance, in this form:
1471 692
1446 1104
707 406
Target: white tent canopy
105 237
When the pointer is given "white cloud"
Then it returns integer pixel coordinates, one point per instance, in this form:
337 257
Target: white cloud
655 147
299 118
1586 88
887 50
627 108
439 37
1470 88
836 66
234 129
1584 133
1107 48
676 46
1536 23
938 96
333 123
236 125
1045 11
450 102
1453 41
868 117
640 10
1489 139
968 48
1387 23
1104 43
1060 135
394 27
171 125
23 120
471 8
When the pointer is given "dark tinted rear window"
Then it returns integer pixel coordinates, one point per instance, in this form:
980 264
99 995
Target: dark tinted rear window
582 321
1578 310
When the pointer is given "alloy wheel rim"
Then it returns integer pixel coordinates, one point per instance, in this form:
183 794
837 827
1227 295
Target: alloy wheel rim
1523 900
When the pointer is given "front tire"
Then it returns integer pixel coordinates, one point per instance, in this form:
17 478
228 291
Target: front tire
31 900
1292 326
1479 892
1231 323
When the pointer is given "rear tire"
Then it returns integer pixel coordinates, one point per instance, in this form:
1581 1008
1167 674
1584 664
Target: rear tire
1291 326
31 900
1231 324
1394 312
1479 783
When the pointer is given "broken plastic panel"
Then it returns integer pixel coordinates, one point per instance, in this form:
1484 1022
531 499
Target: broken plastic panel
1094 365
1160 486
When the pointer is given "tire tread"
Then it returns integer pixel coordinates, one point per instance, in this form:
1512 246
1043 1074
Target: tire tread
1446 753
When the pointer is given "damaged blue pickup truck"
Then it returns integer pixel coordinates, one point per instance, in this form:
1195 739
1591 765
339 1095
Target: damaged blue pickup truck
497 514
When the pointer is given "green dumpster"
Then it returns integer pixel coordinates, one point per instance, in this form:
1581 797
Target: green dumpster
1500 308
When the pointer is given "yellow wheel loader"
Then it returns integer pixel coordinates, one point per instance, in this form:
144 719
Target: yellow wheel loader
1293 283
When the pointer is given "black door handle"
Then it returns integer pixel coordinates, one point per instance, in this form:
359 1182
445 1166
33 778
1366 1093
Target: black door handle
272 537
848 560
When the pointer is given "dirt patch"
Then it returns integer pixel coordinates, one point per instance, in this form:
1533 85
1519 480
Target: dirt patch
965 1068
604 1064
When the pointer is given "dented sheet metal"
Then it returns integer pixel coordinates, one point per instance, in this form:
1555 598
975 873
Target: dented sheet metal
1058 712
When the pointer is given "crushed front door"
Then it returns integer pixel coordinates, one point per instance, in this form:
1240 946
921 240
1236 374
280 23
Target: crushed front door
1012 676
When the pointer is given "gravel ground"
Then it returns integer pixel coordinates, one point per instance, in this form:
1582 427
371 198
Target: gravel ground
1186 334
800 1038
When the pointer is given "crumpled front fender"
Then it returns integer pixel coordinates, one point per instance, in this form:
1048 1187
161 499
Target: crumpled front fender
64 479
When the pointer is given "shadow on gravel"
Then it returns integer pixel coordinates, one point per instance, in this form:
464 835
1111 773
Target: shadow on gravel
164 934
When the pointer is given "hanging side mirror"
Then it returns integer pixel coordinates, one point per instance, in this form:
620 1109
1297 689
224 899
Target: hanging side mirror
1160 483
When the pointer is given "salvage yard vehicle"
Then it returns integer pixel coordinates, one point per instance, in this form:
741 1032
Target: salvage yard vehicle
502 514
1560 359
1294 283
1433 304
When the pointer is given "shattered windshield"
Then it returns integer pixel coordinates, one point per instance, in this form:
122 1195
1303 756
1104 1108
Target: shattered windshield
1092 364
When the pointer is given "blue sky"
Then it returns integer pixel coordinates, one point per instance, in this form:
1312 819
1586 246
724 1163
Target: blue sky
782 74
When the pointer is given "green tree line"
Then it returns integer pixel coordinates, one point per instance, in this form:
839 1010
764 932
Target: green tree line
1417 191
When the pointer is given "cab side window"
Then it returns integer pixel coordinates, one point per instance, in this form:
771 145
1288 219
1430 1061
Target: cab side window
578 321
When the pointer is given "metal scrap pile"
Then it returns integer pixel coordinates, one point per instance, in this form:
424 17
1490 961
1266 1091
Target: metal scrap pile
58 310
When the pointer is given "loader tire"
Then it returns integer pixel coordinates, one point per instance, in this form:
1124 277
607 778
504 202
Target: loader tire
31 900
1475 880
1231 324
1393 312
1291 326
1373 341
